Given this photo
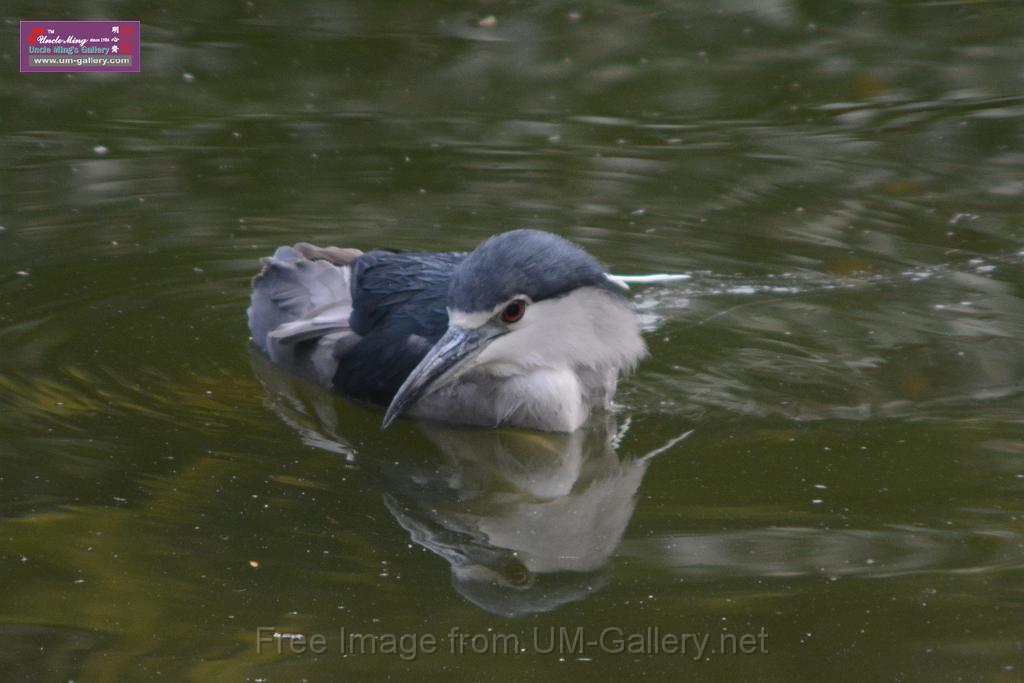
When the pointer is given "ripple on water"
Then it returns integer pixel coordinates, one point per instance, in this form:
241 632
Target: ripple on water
809 345
781 552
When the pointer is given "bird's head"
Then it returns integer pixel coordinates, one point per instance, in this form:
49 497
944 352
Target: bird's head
521 301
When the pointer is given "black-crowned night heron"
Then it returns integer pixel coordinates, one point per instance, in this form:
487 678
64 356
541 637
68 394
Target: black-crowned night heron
526 330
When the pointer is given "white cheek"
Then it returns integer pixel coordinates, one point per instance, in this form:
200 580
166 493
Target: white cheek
588 328
509 353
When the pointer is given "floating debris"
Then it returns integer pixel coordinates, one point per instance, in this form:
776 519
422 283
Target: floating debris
488 22
101 150
958 218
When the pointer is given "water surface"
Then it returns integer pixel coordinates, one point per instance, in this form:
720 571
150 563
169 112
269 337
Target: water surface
841 180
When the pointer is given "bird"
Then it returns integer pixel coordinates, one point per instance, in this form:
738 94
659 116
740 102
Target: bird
527 330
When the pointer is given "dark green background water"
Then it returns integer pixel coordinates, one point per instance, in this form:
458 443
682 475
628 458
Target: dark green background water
842 180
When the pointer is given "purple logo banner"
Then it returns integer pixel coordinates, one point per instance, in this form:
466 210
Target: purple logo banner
77 46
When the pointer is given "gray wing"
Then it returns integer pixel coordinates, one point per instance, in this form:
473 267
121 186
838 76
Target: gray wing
300 309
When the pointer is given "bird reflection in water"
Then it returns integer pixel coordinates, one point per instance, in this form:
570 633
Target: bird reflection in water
527 521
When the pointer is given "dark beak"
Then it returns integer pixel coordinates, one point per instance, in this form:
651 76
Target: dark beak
443 363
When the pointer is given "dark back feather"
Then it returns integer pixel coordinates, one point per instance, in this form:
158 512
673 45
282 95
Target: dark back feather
399 309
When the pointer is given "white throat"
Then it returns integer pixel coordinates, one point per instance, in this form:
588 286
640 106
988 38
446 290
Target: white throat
550 370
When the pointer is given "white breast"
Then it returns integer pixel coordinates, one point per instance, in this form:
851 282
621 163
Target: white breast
555 367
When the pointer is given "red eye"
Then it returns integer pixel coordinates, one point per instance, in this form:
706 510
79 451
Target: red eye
514 311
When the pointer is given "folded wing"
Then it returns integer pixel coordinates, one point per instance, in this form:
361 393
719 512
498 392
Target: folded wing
357 323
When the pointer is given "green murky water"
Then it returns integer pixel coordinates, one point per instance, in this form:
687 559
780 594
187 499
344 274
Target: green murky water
843 182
